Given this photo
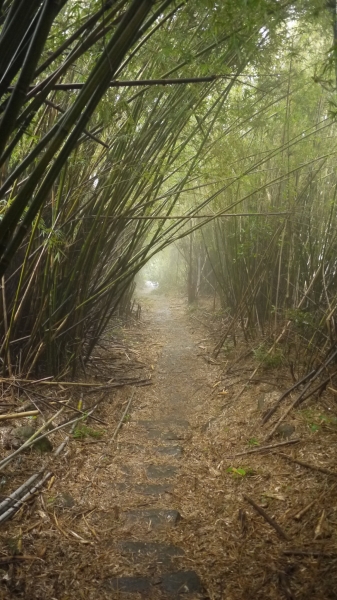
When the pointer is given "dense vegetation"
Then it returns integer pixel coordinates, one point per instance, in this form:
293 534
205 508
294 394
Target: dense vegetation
96 158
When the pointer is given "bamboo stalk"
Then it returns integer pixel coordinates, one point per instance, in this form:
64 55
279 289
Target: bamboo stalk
10 511
19 415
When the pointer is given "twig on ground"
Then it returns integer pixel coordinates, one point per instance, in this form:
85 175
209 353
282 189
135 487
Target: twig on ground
319 529
304 511
20 491
309 553
6 515
123 416
274 408
18 415
269 447
17 558
269 520
307 466
302 397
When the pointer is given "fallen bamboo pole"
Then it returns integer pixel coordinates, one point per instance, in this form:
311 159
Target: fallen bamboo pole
16 495
269 447
123 416
267 518
6 515
307 465
18 415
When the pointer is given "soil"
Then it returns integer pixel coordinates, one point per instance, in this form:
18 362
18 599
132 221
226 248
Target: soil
166 508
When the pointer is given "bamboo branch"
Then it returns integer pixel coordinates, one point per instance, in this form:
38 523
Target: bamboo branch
6 515
123 416
310 553
132 83
307 465
269 447
15 495
18 415
269 520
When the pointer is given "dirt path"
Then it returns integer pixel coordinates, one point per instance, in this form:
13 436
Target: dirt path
163 512
153 456
120 518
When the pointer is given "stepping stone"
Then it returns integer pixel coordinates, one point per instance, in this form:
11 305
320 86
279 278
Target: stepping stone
207 425
285 430
175 451
122 487
156 516
140 585
182 582
171 422
161 471
160 553
125 469
165 436
152 489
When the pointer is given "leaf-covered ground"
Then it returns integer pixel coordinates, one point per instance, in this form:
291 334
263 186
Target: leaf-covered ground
165 506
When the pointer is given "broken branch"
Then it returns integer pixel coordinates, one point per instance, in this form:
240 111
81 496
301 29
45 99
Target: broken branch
267 518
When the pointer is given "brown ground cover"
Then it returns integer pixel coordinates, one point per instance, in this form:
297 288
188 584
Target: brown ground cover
177 493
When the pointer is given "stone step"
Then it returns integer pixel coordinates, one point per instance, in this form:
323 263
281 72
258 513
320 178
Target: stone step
165 429
181 583
161 471
153 489
174 451
164 423
160 554
156 517
129 585
173 585
166 436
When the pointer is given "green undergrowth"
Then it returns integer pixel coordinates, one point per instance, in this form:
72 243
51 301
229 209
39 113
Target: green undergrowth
270 360
82 431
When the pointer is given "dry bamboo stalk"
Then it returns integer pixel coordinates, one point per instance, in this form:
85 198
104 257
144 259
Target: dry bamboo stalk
319 530
273 409
307 466
34 438
47 382
123 415
304 511
278 339
6 515
269 447
309 553
17 558
64 443
269 520
18 415
15 495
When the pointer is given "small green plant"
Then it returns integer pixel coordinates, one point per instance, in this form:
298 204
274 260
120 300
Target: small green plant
300 318
240 471
82 431
315 421
253 442
127 418
269 360
328 419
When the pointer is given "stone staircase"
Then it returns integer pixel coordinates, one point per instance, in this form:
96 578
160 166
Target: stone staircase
154 564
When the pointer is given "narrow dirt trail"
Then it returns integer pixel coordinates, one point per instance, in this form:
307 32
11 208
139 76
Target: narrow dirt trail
128 517
160 429
163 510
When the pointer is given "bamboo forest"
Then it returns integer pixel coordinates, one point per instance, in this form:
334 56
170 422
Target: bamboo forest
168 305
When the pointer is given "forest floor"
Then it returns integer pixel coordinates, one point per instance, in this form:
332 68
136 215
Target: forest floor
164 509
